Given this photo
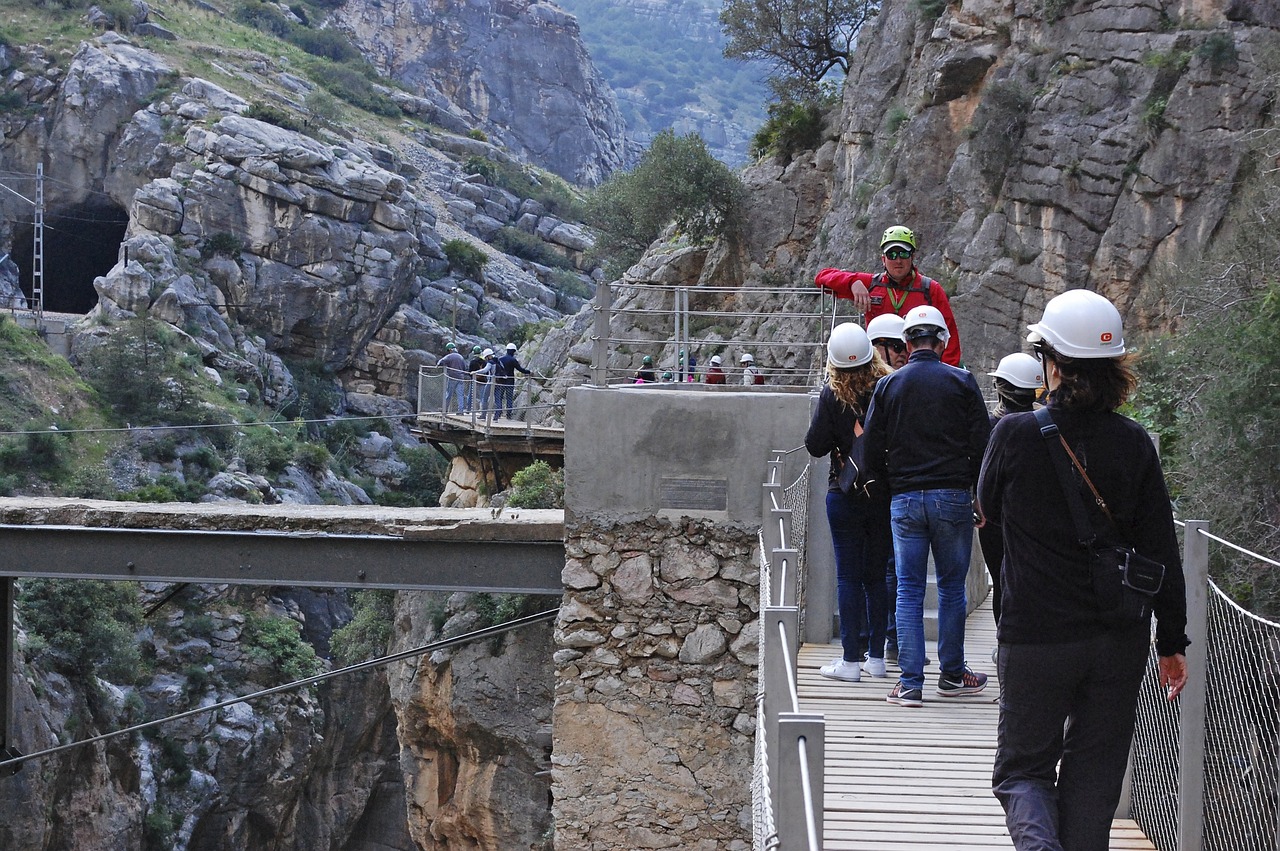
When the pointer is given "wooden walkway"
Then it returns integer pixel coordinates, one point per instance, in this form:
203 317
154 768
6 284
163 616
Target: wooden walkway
915 778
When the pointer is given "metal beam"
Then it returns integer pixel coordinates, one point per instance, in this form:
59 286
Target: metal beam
275 558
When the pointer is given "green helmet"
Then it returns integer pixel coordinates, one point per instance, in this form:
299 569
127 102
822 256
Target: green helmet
898 233
475 350
450 347
648 361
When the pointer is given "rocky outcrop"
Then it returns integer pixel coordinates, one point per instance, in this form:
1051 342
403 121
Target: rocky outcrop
475 729
517 66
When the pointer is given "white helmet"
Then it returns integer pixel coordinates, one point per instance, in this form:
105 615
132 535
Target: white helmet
848 346
922 317
511 347
885 325
487 353
1020 370
715 359
746 358
1080 324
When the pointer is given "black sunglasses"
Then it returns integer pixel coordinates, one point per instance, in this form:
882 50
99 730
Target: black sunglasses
898 254
889 343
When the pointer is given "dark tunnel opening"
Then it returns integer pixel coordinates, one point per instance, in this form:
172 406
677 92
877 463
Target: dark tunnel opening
81 243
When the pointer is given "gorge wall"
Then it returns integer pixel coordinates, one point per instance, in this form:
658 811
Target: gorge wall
1033 147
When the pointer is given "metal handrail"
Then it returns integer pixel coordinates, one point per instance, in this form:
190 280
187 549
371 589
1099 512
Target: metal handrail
790 757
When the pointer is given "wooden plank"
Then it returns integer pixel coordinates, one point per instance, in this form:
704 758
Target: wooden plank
914 779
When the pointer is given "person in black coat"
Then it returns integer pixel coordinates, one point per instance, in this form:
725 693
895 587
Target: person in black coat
859 521
1069 670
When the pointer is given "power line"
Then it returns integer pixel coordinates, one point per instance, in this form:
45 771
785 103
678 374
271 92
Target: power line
11 765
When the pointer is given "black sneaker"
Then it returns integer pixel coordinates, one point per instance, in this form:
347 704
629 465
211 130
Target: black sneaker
969 682
904 696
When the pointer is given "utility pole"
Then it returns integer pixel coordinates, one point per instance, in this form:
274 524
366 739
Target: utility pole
453 337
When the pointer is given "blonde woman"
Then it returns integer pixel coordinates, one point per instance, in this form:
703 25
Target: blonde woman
859 521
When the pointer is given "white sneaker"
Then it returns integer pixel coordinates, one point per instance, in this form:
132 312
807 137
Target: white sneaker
874 667
839 669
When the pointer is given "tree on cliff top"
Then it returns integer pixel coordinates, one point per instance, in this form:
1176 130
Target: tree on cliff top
802 39
677 180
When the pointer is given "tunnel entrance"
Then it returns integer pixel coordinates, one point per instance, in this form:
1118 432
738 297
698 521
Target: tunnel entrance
81 242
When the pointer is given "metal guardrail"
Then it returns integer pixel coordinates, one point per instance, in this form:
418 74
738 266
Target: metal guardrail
700 321
534 400
1205 769
788 785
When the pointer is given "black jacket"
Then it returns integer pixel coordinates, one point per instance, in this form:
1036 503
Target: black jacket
831 429
1047 591
927 426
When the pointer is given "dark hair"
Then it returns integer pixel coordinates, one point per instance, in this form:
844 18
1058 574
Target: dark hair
1091 384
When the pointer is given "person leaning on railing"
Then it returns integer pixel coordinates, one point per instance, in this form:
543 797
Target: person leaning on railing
1066 659
896 289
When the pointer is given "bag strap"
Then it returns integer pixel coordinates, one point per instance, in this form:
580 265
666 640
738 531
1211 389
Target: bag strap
1063 457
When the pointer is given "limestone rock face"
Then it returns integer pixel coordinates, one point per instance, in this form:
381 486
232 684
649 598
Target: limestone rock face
474 727
1035 156
516 66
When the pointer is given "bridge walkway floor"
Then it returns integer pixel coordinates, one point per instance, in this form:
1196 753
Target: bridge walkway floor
915 778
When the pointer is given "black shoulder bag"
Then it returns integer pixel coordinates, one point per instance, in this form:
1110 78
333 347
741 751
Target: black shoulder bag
855 473
1124 582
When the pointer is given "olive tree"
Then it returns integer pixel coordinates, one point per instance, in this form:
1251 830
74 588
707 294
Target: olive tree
676 181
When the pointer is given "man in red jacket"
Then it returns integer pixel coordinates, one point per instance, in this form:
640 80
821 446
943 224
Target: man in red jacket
897 289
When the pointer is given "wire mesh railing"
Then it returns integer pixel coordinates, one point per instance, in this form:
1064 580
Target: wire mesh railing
487 404
788 781
1206 767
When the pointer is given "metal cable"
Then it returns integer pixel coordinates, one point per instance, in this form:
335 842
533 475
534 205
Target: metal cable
8 765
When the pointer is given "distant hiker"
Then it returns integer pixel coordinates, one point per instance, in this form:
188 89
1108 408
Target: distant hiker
646 374
455 378
476 363
508 366
715 372
751 374
897 289
484 378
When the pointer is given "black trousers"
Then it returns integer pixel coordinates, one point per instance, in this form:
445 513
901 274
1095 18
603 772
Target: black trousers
1066 724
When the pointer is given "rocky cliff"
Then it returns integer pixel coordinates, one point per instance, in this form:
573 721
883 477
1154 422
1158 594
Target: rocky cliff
1033 147
517 67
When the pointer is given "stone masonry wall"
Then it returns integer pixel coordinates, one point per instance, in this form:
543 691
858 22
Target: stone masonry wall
656 674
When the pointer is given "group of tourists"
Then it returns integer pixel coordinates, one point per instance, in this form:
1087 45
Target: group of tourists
687 371
469 383
1073 517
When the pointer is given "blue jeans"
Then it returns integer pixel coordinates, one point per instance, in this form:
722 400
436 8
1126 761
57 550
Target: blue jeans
453 391
482 396
1089 689
504 396
941 521
861 539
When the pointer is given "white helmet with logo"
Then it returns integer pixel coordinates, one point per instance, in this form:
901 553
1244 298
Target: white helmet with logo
925 321
1080 324
885 325
849 346
1020 370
